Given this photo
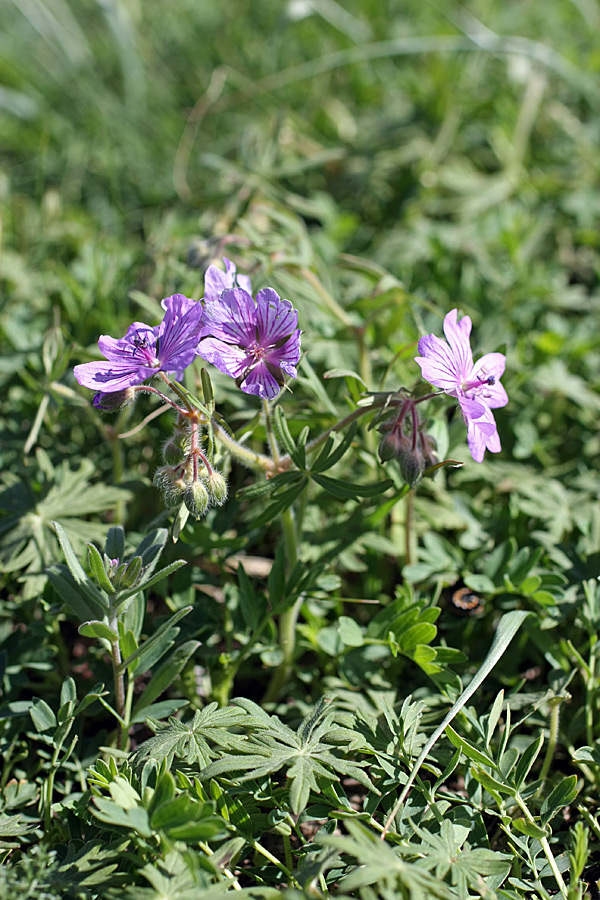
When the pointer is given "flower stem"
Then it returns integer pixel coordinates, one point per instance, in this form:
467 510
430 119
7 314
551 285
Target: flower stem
119 679
271 437
547 850
177 390
247 457
552 739
289 618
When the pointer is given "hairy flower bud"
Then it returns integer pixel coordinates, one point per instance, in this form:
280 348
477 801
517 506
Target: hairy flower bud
171 484
171 451
392 445
115 401
217 488
411 465
196 499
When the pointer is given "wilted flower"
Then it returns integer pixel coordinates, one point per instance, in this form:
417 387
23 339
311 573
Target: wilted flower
216 280
146 350
449 365
253 342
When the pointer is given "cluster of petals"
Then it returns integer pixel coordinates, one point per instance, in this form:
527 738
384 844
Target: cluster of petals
257 342
146 350
449 365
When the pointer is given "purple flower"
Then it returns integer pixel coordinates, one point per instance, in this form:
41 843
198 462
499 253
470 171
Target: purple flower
216 280
253 342
146 350
476 386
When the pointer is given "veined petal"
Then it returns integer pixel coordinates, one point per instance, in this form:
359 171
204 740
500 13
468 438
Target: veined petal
216 280
109 376
261 382
228 358
123 349
275 318
471 409
179 332
458 336
438 365
286 357
232 318
482 435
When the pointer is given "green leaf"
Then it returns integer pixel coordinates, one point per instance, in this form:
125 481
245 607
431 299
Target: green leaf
42 716
469 749
150 582
530 829
166 674
328 457
100 630
350 632
159 638
297 453
282 503
529 756
563 794
98 571
344 373
346 490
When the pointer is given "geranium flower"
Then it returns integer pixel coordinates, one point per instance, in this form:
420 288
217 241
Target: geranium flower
146 350
449 365
216 280
254 342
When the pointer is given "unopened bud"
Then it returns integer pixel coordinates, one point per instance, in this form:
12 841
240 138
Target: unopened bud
170 483
171 451
217 488
429 447
111 402
196 499
392 445
411 465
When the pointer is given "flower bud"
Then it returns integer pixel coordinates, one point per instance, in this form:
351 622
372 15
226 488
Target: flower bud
171 484
429 447
392 445
171 451
217 488
411 465
111 402
196 499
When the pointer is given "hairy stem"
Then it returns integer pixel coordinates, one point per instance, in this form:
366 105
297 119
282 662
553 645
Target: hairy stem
244 455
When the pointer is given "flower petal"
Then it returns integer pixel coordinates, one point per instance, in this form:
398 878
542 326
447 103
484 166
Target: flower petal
482 435
179 332
286 357
123 349
458 336
438 365
261 382
228 358
232 318
109 376
275 318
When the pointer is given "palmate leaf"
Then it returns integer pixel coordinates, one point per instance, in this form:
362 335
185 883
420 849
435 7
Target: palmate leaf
194 742
381 865
28 544
446 854
307 755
